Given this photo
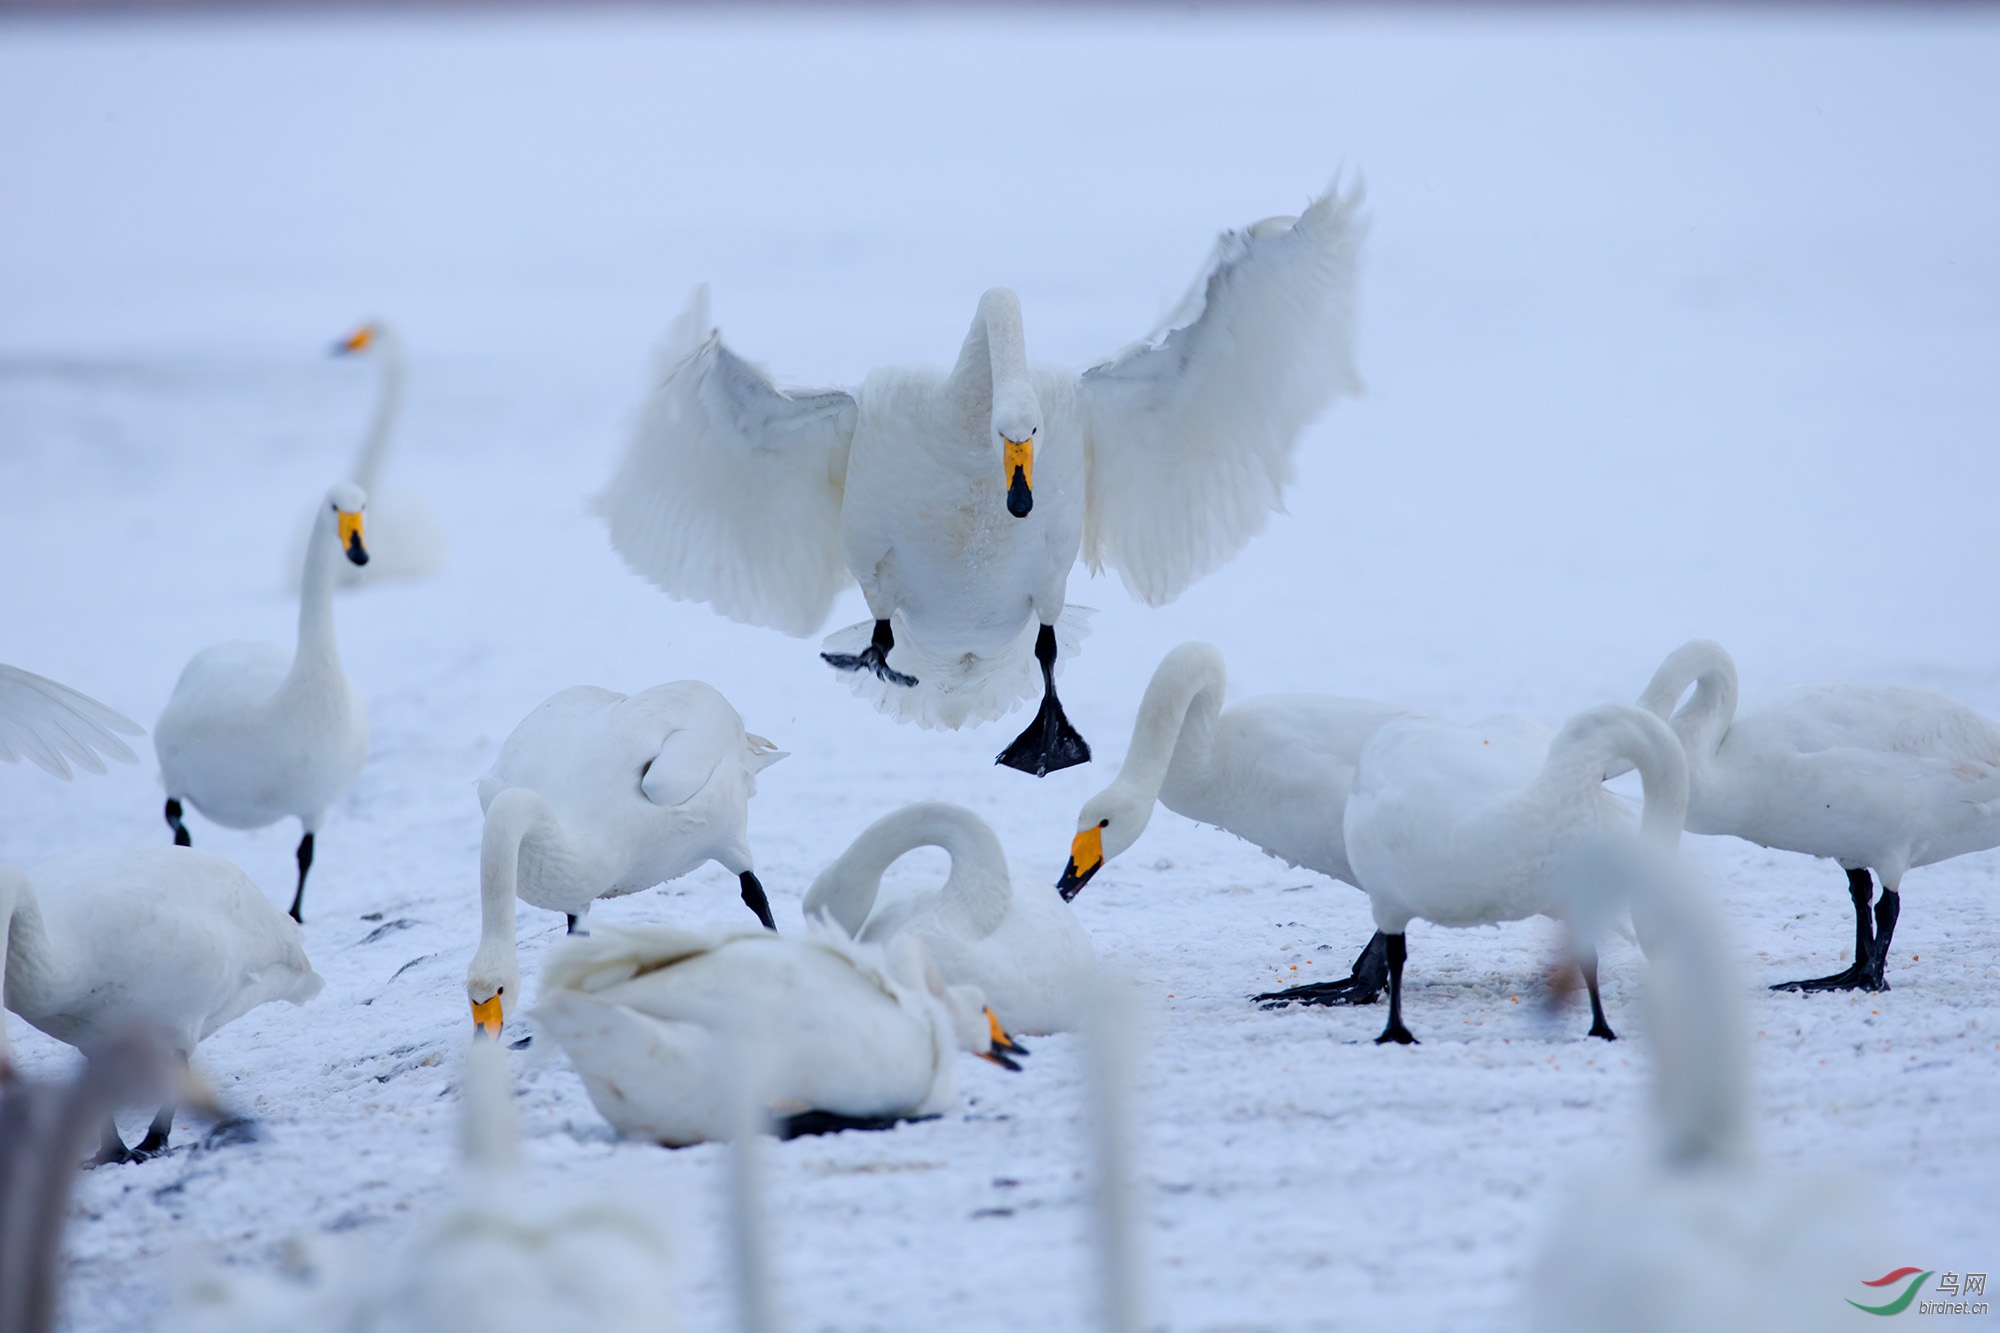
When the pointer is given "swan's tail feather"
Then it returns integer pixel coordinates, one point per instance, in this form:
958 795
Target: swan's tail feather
953 691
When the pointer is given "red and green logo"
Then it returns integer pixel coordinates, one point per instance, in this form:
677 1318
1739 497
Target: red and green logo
1900 1303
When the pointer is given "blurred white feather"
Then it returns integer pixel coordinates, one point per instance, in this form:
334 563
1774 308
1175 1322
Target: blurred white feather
53 726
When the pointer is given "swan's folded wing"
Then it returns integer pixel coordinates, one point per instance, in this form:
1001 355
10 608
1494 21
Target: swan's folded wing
51 725
730 492
1191 431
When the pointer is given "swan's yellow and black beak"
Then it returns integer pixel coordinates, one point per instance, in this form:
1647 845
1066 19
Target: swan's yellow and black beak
1004 1046
486 1018
358 341
1086 855
1020 471
350 537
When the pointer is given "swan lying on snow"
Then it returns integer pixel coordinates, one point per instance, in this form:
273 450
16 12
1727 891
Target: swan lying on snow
1695 1237
102 943
1876 777
1275 771
1464 825
496 1257
960 500
249 737
849 1036
993 924
596 795
53 726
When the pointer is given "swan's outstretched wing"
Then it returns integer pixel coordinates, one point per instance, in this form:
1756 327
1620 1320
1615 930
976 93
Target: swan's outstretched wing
49 724
730 492
1191 431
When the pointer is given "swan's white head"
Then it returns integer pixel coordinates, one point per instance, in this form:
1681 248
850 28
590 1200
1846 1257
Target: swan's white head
1109 822
1017 425
493 985
1016 421
974 1026
347 501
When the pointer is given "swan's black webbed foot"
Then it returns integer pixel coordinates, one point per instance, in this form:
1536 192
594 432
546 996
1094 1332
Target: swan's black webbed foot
181 838
157 1134
113 1152
1362 986
1397 1033
1050 744
1852 978
1871 947
305 859
832 1122
1396 948
754 899
875 658
229 1132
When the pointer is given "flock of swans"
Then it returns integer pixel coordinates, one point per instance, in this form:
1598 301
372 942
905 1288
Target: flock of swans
959 502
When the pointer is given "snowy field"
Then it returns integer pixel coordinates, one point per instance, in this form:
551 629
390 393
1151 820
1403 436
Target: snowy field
1673 326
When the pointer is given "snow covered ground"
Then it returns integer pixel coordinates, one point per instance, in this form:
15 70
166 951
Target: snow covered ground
1673 326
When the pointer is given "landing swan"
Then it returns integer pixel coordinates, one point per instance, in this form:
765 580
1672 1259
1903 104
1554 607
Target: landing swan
1462 825
993 924
98 944
1875 777
405 540
596 795
249 738
1692 1234
53 726
497 1256
960 501
653 1020
1274 770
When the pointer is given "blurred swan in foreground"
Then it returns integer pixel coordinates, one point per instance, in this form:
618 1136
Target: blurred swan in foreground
960 500
1875 777
596 795
994 923
1274 770
1690 1234
53 726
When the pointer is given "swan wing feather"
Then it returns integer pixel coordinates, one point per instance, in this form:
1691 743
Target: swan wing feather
1190 432
51 725
730 491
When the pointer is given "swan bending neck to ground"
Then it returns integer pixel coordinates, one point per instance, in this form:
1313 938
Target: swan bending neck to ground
53 726
994 923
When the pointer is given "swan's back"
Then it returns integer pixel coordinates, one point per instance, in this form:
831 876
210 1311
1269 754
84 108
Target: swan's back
220 682
1895 722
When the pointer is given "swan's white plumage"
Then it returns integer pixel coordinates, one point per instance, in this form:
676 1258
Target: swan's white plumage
53 726
656 1021
994 923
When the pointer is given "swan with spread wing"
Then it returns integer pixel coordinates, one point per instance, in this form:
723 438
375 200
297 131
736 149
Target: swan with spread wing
959 500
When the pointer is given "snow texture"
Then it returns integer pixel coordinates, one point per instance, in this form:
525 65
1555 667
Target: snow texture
1673 324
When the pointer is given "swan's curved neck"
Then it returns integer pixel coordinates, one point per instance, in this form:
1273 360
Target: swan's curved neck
317 653
1592 742
978 887
27 958
1703 720
992 367
368 463
1176 723
511 817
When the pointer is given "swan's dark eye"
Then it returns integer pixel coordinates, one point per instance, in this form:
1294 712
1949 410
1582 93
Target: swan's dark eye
499 990
1104 823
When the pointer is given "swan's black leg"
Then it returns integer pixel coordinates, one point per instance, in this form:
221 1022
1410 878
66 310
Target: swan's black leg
1860 975
572 918
305 858
875 657
754 899
1598 1027
1886 911
1362 986
113 1152
181 838
157 1134
1397 948
1050 743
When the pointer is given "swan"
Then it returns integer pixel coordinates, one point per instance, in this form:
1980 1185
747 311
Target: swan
960 500
1690 1233
1462 825
100 943
1274 770
993 924
248 738
654 1020
53 726
1875 777
498 1255
405 540
596 795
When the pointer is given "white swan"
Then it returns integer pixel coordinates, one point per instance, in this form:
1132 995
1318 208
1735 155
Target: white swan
655 1021
405 540
249 737
101 943
1691 1234
1463 825
993 924
596 795
1274 770
53 726
960 500
499 1255
1876 777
